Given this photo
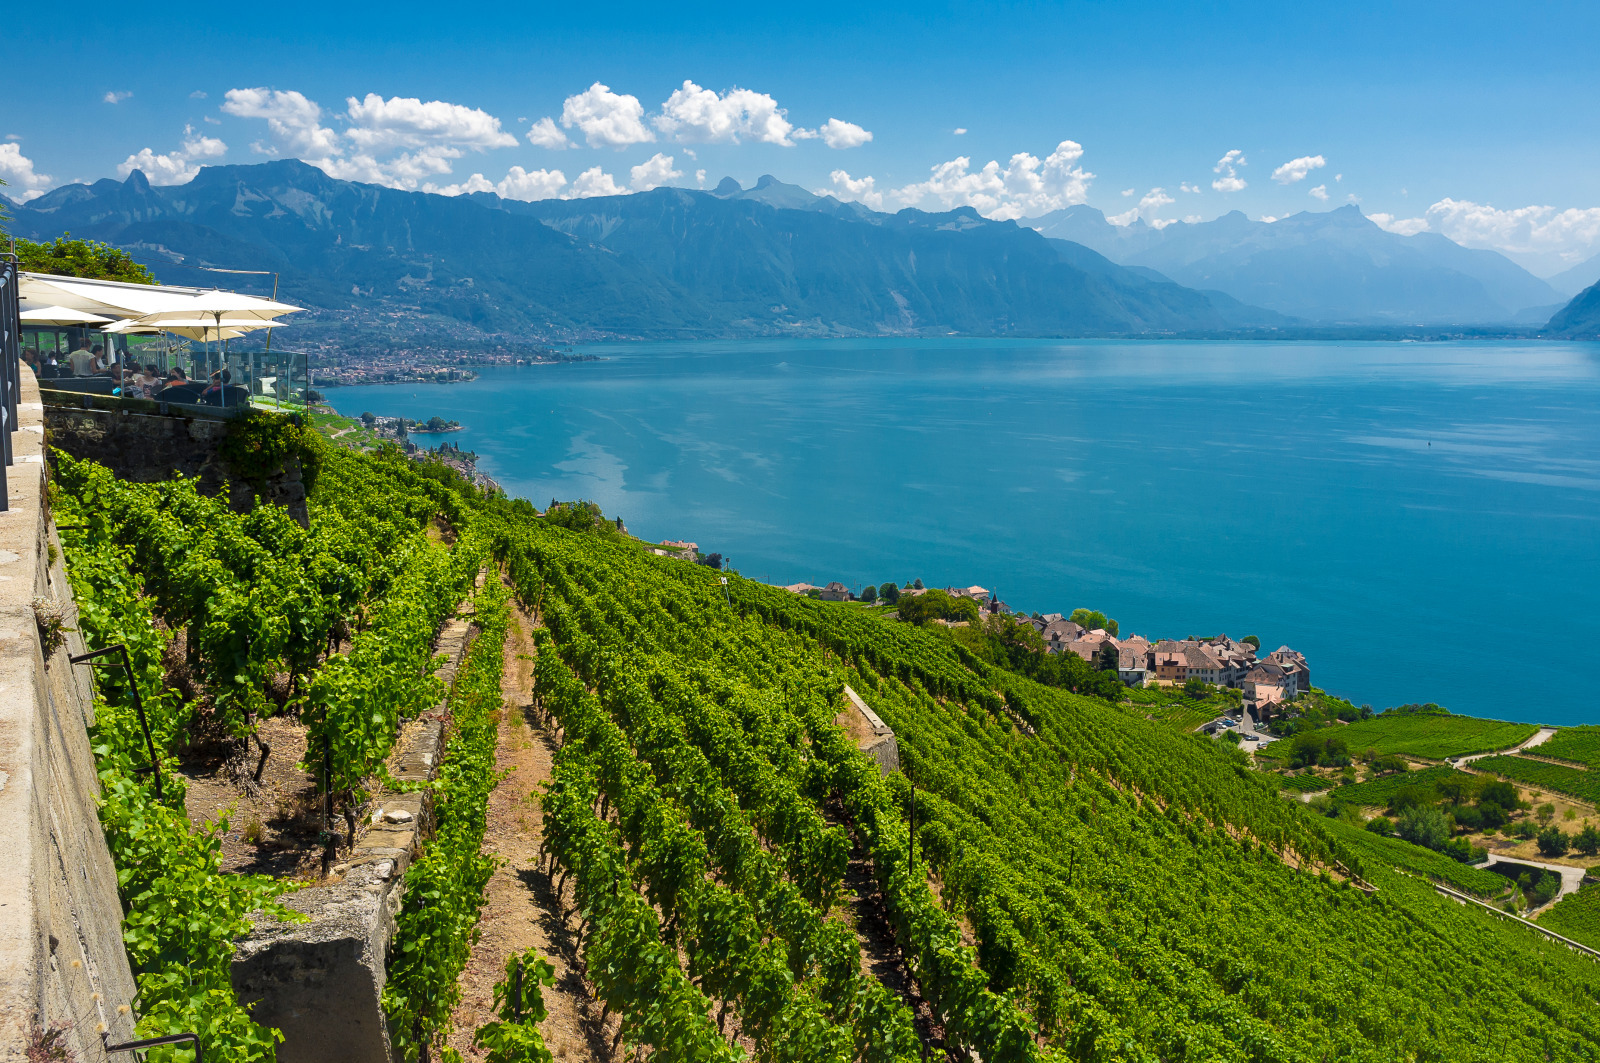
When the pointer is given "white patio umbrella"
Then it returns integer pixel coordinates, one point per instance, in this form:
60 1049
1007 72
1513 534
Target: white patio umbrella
203 328
60 315
222 308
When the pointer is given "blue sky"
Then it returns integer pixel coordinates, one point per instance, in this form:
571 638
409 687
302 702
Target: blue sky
1474 120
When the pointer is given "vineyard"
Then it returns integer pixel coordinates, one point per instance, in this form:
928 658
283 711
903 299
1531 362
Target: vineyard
1064 878
1378 791
1584 785
1434 737
1581 744
1576 916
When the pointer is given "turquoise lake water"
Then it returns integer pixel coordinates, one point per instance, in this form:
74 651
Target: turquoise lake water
1422 520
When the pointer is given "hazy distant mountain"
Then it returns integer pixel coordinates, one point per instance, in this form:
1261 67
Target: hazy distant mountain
1579 319
1334 267
1572 281
773 260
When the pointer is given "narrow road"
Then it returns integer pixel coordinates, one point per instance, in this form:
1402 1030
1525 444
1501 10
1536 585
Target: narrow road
1571 877
1540 737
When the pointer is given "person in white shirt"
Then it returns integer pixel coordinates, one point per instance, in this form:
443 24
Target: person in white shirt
83 361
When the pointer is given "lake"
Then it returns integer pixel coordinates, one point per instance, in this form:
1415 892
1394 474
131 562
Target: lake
1420 519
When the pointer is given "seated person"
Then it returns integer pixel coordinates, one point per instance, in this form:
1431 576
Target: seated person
149 381
218 393
83 361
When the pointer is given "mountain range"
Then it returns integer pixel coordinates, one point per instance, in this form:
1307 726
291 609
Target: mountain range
777 260
773 260
1337 267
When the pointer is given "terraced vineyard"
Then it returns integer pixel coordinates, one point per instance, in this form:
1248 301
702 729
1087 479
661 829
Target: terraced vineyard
1105 888
1378 791
1576 916
1584 785
1435 737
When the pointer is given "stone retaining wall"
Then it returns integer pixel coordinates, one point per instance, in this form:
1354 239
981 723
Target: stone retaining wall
321 982
146 442
872 736
62 960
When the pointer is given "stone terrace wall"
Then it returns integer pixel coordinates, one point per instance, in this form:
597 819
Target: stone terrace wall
148 441
61 955
321 982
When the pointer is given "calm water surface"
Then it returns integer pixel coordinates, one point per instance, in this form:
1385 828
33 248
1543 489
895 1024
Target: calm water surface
1422 520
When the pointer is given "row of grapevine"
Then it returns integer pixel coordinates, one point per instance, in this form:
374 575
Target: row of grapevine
437 924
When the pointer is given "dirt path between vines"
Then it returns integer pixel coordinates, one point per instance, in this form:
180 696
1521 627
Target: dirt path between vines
522 910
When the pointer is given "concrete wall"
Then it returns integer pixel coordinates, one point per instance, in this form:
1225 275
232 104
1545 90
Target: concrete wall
61 955
148 441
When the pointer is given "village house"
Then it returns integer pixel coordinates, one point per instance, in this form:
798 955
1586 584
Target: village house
1294 664
801 588
1267 684
1089 644
1235 658
1058 634
1133 660
836 592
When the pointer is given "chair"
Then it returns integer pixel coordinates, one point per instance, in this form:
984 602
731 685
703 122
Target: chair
188 394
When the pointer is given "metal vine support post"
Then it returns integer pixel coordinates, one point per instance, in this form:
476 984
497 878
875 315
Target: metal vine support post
10 361
138 705
327 804
157 1042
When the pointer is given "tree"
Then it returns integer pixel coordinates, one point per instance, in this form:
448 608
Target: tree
1092 619
1546 813
869 593
1380 825
1109 659
369 419
710 561
437 424
1553 841
1426 827
937 605
1251 640
66 257
889 593
1196 688
1587 840
916 585
1389 765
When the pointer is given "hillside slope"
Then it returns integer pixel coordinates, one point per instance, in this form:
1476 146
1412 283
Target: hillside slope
773 260
1336 267
1579 319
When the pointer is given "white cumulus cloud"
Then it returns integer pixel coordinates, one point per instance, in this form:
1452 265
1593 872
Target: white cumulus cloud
696 115
1568 236
377 125
1296 169
1403 226
1228 167
652 173
594 182
863 190
175 167
1185 186
116 97
528 185
18 172
960 131
840 134
1319 192
294 122
606 119
1149 204
1025 187
544 134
